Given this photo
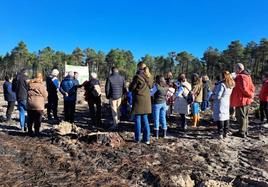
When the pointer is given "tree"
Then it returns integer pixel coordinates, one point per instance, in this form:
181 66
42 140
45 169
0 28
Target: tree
263 49
91 57
77 57
122 60
149 61
211 58
19 57
184 58
45 59
234 54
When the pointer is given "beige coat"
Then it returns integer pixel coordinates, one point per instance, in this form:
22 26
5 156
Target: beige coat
180 105
36 96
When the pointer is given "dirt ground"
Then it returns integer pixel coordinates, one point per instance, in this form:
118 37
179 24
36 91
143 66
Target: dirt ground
88 155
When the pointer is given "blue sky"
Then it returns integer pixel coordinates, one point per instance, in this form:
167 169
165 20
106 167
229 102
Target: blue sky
153 27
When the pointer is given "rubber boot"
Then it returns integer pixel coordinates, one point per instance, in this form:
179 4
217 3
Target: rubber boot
165 133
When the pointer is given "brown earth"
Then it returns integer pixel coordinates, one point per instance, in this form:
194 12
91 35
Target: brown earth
86 155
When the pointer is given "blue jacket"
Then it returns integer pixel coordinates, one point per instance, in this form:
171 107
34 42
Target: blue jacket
68 85
9 95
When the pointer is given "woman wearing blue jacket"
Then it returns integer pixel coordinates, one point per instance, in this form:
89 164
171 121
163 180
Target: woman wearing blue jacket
9 96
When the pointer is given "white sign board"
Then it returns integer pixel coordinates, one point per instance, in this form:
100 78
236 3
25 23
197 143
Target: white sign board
83 73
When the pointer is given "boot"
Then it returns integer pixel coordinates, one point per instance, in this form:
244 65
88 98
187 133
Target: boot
165 133
156 134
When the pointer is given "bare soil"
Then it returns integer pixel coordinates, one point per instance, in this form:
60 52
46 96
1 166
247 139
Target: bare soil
93 156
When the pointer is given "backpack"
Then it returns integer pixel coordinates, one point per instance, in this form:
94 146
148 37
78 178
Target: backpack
189 97
94 90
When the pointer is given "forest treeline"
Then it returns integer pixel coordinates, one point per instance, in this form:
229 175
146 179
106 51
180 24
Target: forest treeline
253 55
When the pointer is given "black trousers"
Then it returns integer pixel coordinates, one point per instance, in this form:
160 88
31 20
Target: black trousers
52 106
264 110
10 109
183 120
34 117
69 110
223 127
95 110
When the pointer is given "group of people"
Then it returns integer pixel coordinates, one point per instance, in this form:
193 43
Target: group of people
146 98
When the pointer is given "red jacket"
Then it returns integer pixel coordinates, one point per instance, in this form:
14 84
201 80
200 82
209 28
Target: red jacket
243 91
264 92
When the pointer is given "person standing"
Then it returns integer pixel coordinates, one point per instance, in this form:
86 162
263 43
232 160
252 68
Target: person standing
52 83
114 90
181 106
242 97
93 97
67 88
20 86
198 96
36 103
140 87
206 93
160 106
9 96
264 98
221 97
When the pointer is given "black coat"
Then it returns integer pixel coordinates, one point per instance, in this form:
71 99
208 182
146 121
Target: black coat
20 86
115 86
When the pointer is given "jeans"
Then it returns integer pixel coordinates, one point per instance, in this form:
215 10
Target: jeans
22 109
159 112
138 127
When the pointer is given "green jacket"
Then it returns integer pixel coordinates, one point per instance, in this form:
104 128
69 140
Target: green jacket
140 88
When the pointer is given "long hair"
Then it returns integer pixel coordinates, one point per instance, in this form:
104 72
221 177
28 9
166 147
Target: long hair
228 79
147 72
37 79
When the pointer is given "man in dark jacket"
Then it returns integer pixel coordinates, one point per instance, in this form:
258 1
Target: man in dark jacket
52 89
114 89
67 88
93 97
9 96
20 86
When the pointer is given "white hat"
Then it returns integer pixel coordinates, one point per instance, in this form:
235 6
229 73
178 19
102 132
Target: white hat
240 66
55 72
93 75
